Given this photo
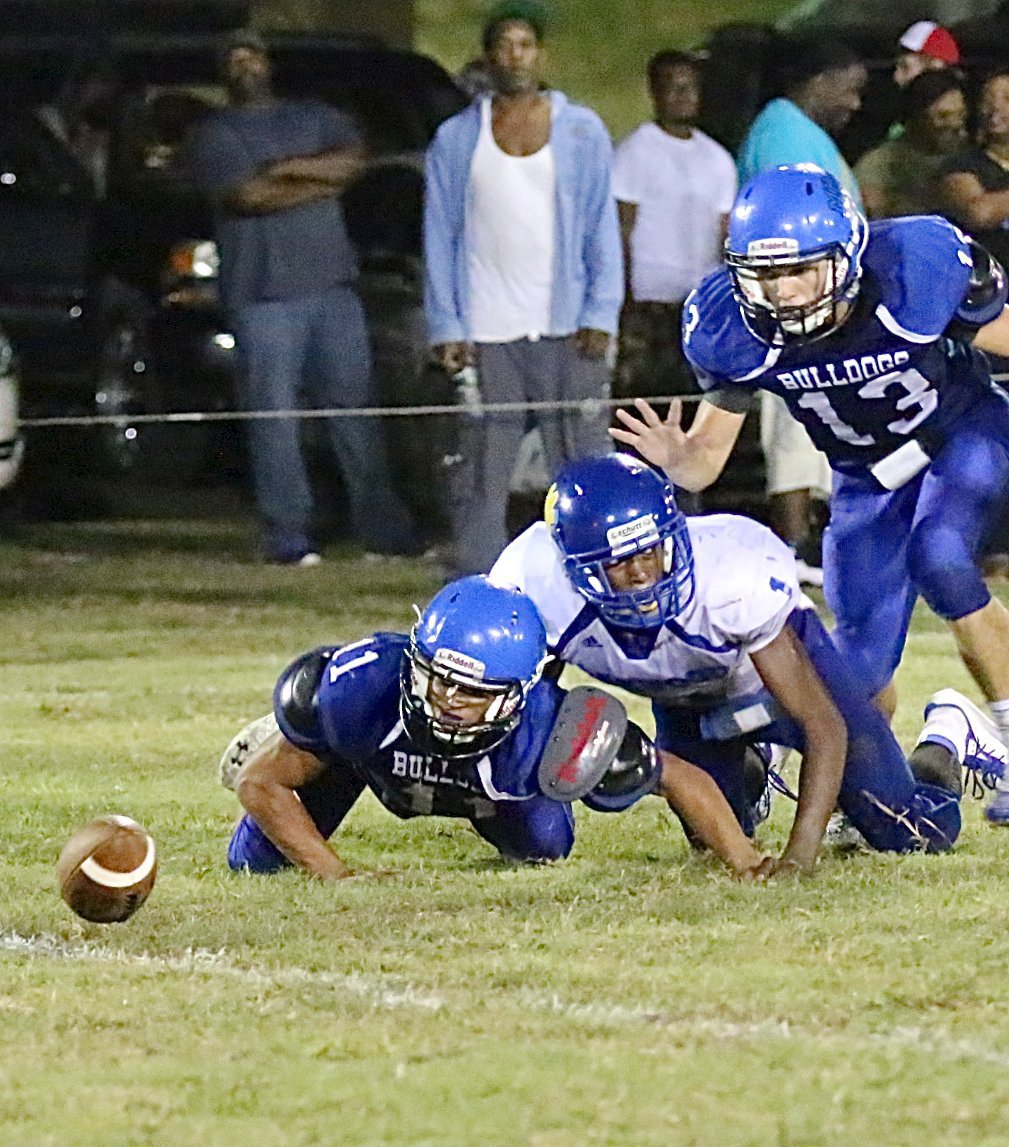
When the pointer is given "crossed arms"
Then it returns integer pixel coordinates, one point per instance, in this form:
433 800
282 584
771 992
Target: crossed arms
296 180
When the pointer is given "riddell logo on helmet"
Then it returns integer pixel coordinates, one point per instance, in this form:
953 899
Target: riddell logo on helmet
450 659
631 531
775 246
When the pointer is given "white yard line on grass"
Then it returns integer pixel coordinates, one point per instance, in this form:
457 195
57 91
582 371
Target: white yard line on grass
379 990
385 992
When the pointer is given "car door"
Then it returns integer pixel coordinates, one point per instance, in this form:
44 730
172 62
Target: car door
47 217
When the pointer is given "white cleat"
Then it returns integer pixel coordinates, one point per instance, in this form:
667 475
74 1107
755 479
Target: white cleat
243 746
953 720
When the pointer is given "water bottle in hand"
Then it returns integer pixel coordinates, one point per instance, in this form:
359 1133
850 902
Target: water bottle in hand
467 391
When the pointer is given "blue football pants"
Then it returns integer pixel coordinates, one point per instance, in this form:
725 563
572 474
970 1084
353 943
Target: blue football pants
878 791
883 548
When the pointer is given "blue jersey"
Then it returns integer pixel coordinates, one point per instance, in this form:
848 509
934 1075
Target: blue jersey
358 725
886 375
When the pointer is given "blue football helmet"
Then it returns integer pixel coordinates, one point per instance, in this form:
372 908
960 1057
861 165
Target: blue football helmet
794 217
483 639
603 510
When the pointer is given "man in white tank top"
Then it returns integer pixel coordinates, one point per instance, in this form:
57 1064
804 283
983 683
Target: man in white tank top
523 275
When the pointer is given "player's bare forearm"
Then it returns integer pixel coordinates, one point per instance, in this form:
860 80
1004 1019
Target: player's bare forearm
266 785
692 459
993 337
693 794
792 679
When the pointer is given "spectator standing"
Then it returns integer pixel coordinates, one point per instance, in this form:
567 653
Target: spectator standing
975 193
923 47
821 81
674 187
900 177
524 280
81 114
275 169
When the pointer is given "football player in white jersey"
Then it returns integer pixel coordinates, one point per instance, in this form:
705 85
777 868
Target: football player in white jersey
705 616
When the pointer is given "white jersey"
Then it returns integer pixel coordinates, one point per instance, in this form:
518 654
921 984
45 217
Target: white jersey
746 586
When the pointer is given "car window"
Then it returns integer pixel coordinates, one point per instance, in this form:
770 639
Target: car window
34 160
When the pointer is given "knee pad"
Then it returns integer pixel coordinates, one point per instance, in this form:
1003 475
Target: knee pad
945 572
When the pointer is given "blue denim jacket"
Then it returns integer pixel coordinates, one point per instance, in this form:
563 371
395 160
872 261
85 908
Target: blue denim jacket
588 285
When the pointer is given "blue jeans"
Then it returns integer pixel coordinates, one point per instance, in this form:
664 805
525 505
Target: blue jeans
318 344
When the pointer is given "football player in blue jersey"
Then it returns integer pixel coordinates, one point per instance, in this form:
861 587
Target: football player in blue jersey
454 720
704 615
871 335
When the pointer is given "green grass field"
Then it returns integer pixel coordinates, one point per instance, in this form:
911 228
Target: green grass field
631 995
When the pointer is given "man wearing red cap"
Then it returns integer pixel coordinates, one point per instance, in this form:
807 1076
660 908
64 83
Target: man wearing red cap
925 46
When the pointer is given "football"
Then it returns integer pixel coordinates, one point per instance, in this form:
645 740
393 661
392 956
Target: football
107 869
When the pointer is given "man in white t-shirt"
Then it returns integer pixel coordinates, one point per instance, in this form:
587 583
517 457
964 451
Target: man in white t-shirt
674 187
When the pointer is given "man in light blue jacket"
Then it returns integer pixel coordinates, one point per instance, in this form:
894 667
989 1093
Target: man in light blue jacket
524 276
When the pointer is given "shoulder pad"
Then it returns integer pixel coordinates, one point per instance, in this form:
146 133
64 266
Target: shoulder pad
587 732
294 698
923 265
716 340
632 775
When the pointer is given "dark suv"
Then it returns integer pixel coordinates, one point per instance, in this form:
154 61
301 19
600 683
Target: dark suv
111 301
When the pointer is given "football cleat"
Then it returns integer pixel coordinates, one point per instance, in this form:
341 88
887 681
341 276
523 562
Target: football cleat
952 720
242 747
997 811
842 835
762 765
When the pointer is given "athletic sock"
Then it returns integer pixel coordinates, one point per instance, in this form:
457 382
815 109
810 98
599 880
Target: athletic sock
1000 711
933 763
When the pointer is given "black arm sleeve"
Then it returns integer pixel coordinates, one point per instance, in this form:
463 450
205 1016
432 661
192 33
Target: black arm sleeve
632 775
987 291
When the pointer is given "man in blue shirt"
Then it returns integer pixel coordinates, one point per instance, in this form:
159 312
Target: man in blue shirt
524 278
275 170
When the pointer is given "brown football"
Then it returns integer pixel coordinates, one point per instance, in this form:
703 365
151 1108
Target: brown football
107 869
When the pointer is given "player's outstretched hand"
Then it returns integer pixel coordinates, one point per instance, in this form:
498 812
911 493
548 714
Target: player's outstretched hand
774 868
661 442
369 874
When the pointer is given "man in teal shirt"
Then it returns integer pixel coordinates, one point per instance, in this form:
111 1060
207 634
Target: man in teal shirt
821 83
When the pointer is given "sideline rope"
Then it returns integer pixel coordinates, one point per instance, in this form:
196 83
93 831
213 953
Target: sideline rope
589 407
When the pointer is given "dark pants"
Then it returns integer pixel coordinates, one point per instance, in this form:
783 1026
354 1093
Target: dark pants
318 345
